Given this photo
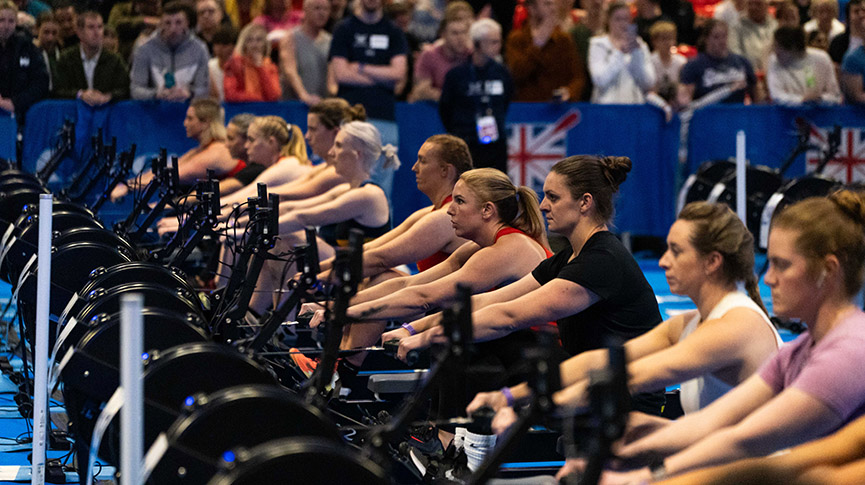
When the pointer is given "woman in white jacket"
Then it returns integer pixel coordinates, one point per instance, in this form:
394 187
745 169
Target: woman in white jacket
619 61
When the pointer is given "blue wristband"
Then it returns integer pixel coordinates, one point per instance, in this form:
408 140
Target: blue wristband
411 330
509 396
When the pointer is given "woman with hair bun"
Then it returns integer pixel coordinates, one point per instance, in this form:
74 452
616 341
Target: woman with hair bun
813 385
708 350
593 288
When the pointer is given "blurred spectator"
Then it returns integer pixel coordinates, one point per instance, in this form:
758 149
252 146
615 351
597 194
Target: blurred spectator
250 75
400 12
592 24
852 76
824 17
223 47
209 18
303 55
853 37
818 40
568 16
241 12
338 11
25 78
426 19
278 15
67 18
716 74
804 7
751 38
435 61
458 10
619 61
171 65
87 71
130 19
798 74
502 11
368 57
648 13
542 59
475 98
47 39
110 42
730 11
26 24
787 14
33 7
681 12
666 61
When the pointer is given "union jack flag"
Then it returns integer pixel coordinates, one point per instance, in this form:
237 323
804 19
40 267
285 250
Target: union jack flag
533 148
849 164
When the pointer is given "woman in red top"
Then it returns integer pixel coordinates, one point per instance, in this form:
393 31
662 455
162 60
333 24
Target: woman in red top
250 75
502 223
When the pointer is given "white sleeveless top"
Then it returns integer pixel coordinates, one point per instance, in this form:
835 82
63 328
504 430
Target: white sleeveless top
697 393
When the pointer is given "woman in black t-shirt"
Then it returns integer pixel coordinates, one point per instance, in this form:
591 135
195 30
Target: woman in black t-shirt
593 289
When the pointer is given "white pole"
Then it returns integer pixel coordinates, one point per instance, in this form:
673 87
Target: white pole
741 208
131 368
40 359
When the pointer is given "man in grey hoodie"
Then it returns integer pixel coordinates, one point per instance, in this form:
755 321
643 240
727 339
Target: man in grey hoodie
171 65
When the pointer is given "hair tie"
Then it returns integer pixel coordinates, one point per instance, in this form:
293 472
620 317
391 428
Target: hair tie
389 152
290 133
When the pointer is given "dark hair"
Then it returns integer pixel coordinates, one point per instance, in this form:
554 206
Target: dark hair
847 8
45 17
830 225
83 16
612 7
225 35
599 176
333 112
708 27
452 150
790 38
177 6
242 121
716 228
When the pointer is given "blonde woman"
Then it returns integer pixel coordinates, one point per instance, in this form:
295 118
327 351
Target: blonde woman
250 75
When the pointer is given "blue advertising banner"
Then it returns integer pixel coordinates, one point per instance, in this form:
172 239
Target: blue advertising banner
150 125
538 134
8 132
541 134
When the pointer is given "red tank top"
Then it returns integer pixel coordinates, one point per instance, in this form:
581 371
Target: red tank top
234 171
436 258
511 230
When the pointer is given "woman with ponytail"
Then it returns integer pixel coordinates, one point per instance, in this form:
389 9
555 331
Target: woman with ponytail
593 289
709 350
356 204
813 385
503 224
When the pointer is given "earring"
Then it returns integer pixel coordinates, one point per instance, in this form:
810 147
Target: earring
821 279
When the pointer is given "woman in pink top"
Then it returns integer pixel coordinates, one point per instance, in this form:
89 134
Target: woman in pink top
250 75
813 385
